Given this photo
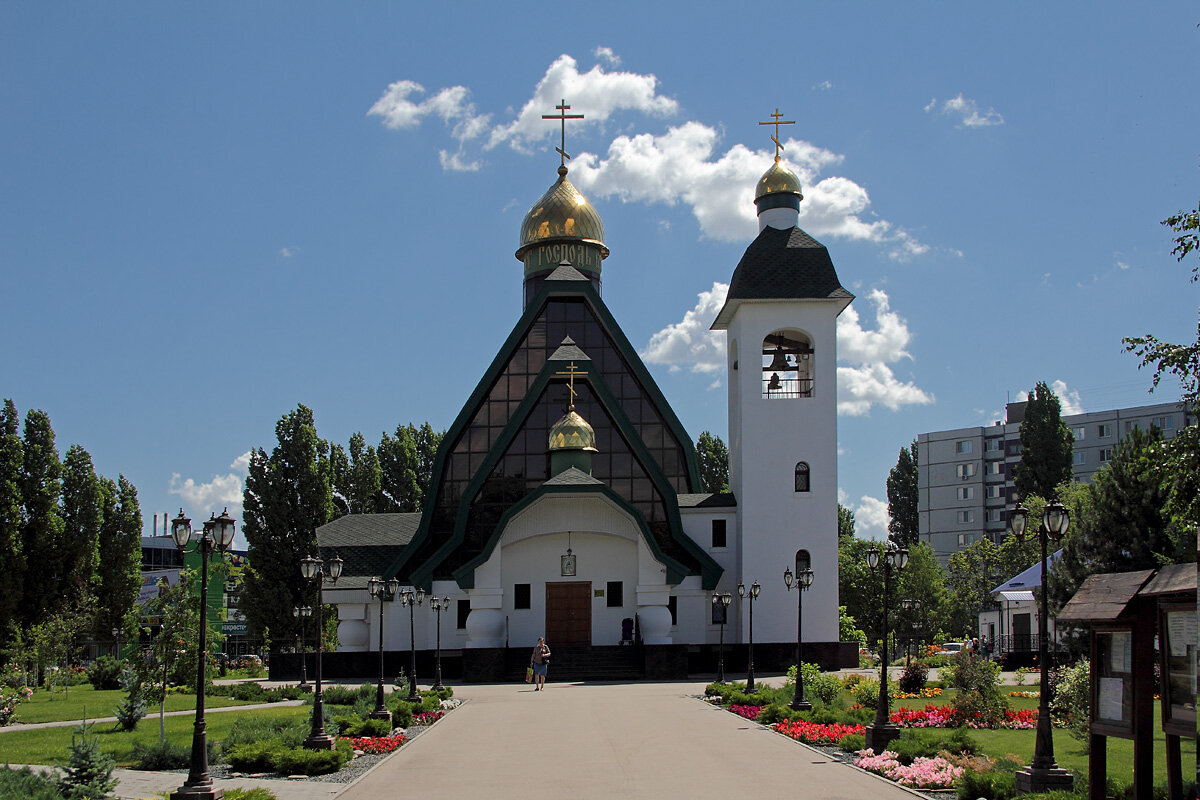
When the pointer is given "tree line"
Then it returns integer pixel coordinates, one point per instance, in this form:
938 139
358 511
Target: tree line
305 482
70 539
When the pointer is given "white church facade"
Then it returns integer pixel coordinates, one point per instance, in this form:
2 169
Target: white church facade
566 499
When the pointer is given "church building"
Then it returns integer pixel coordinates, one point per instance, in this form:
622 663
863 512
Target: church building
566 500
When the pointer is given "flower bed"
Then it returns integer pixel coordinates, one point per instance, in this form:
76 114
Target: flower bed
1024 694
815 733
427 717
375 745
932 716
923 773
749 712
929 692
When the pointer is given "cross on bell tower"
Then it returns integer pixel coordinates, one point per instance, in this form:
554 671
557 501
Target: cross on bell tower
777 122
563 116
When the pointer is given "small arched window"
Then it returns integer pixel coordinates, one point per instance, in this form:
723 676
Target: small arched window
787 365
802 478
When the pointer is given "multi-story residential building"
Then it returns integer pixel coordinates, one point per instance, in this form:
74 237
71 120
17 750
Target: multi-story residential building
965 476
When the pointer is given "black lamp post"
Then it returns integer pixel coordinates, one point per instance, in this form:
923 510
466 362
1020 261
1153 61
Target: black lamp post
382 591
754 590
910 606
882 731
803 580
438 604
314 570
302 613
721 600
116 632
216 538
412 600
1043 773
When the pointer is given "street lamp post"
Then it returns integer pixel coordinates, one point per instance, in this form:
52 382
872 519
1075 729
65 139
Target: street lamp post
302 613
803 580
754 590
314 570
438 604
382 591
412 600
216 538
721 600
1043 773
116 632
882 731
913 606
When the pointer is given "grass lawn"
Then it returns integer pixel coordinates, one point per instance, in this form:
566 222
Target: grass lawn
46 745
99 703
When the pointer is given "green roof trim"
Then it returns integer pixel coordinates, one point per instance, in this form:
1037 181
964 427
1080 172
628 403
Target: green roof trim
552 288
465 575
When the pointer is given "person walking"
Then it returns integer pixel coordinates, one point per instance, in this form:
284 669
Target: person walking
540 661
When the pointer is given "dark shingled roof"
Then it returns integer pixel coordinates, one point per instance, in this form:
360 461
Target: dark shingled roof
569 351
366 543
565 272
573 476
718 500
1104 597
785 264
1172 579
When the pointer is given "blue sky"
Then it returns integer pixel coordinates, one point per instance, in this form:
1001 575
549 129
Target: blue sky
212 212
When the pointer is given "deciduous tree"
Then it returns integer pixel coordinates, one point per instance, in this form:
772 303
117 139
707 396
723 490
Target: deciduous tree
82 511
400 487
845 524
42 531
119 576
1045 445
12 550
713 456
902 498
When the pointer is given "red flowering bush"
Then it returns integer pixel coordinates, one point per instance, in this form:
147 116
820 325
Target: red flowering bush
816 733
950 717
375 745
749 712
428 717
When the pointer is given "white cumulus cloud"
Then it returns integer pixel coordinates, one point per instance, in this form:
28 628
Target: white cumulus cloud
1068 400
865 381
871 518
223 491
967 112
607 55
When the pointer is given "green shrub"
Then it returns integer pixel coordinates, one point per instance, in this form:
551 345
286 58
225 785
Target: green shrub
130 710
1071 701
912 680
257 793
917 743
159 755
773 713
105 673
740 698
301 761
402 713
852 680
866 693
249 729
357 726
975 679
255 756
28 785
987 786
852 742
345 696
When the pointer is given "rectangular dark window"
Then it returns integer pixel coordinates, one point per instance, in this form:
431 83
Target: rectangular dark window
464 611
719 614
615 594
671 606
718 533
521 595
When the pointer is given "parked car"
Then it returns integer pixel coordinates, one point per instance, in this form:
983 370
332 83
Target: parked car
952 647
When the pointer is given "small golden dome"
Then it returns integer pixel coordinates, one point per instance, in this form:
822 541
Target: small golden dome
572 433
778 180
562 213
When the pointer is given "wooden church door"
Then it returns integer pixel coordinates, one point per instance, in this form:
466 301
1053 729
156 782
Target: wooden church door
568 613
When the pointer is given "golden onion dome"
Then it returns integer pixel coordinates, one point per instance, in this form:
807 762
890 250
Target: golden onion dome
562 213
778 180
572 432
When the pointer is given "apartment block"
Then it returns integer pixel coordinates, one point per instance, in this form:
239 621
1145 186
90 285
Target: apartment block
964 481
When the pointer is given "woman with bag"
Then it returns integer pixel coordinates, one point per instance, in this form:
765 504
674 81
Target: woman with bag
539 661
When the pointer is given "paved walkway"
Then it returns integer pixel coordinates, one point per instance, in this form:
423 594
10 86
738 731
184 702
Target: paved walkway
138 785
643 740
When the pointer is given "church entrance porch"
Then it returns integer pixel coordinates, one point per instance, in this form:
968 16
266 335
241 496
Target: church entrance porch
568 613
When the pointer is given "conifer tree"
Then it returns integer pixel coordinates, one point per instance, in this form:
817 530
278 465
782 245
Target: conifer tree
902 498
713 456
287 497
1045 446
12 550
42 531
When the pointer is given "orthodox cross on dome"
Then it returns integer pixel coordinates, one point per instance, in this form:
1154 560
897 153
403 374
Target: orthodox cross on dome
777 122
570 374
563 116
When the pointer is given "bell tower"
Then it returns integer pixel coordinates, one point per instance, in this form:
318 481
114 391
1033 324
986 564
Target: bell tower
780 318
